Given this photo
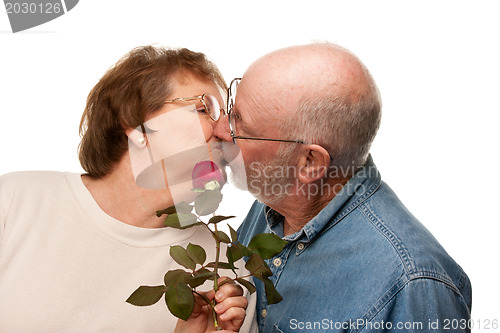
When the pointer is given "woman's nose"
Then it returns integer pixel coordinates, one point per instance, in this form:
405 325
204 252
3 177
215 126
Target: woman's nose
221 129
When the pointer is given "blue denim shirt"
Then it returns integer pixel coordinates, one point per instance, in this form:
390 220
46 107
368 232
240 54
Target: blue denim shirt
363 264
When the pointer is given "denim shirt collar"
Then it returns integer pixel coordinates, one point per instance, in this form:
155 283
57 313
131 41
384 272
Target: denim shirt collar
361 186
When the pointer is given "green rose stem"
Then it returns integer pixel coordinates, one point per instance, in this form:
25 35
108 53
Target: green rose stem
216 269
179 285
212 306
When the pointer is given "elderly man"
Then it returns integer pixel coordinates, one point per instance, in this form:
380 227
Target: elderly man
304 118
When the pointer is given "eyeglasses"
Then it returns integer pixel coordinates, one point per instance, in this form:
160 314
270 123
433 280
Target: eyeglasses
210 104
232 117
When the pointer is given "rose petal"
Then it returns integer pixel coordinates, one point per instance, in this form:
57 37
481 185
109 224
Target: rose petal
206 171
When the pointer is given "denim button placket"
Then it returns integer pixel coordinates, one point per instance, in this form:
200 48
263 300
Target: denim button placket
277 262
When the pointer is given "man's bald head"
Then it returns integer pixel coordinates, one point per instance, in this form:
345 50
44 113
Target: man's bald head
320 93
307 69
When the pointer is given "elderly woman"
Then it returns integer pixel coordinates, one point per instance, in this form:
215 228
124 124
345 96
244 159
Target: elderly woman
73 247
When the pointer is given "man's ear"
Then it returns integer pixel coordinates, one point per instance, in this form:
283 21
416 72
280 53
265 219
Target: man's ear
137 137
313 163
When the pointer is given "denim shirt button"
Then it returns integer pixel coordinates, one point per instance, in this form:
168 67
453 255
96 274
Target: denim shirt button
277 262
264 313
300 246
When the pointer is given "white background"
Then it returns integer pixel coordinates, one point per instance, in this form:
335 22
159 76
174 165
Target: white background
436 64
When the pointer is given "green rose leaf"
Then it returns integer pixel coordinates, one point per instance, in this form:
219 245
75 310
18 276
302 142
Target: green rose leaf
218 218
183 208
223 265
223 237
272 295
196 253
168 211
247 284
199 277
258 267
180 300
244 250
146 295
207 202
267 245
233 254
176 276
181 256
234 234
188 220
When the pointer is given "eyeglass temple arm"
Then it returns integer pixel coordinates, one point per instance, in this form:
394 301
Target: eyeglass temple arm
278 140
264 139
184 99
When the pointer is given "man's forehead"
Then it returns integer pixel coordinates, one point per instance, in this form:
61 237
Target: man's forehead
275 94
256 97
259 113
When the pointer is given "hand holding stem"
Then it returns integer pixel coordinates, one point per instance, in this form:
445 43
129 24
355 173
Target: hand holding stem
231 306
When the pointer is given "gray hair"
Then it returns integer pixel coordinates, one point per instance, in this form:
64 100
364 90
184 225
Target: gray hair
344 124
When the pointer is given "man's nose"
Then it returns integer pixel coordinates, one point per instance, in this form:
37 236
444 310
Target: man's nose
221 129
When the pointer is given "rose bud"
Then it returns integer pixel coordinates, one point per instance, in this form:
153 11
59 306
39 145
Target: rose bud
206 175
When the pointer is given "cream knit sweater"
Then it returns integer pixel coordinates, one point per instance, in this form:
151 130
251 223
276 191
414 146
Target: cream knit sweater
66 266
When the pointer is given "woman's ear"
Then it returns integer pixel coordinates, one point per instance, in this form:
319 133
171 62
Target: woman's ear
136 137
313 163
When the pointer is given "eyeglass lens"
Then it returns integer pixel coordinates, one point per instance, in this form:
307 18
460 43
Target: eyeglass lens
212 106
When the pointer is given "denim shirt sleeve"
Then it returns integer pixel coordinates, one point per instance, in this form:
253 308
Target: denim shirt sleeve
423 305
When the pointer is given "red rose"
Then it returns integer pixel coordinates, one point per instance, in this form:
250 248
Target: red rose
207 172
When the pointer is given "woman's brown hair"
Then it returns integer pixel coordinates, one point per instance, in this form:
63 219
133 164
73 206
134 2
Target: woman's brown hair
136 86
